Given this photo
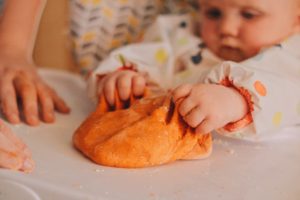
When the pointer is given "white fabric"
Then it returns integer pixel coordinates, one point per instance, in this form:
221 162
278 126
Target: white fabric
276 68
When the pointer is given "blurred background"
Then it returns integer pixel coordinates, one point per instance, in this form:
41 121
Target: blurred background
67 38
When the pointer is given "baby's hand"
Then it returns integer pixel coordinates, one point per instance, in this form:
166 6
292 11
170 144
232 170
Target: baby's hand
20 81
14 154
207 107
126 82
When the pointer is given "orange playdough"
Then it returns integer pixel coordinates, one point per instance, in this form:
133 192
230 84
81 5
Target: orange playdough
149 133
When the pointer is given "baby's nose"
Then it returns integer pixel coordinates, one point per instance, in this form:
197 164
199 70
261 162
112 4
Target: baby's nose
229 26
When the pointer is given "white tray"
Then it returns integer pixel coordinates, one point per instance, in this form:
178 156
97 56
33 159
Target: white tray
235 170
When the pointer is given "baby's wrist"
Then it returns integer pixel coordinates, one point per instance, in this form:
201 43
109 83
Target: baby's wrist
244 99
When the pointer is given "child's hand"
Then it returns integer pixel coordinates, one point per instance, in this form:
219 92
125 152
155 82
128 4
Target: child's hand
126 82
14 154
20 81
207 107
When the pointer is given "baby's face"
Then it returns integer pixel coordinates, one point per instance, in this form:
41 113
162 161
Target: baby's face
237 29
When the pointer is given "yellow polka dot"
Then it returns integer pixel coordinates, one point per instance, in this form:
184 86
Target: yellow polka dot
115 43
123 1
260 88
161 56
277 118
133 21
89 36
108 12
96 2
84 1
182 41
84 62
185 74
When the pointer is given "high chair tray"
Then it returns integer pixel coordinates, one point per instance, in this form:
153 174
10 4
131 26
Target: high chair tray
236 169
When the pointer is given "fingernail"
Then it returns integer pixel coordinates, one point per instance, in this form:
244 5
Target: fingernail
14 119
33 120
49 117
28 165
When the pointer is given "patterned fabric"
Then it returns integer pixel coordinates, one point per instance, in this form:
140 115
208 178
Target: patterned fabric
99 26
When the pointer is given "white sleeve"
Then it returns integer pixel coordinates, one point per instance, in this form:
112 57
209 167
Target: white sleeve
142 55
272 78
156 56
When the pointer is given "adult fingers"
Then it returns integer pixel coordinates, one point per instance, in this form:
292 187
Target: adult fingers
27 165
8 98
14 154
10 154
26 89
50 101
181 91
9 139
10 161
60 105
16 161
46 104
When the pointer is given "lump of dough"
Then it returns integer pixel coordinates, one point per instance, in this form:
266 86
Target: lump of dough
150 132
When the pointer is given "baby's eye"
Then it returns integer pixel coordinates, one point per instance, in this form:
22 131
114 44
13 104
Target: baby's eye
213 13
250 14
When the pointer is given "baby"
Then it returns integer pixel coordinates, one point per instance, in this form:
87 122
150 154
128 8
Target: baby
241 78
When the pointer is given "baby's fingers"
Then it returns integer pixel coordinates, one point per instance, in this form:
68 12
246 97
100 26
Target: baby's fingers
205 127
186 106
138 85
109 86
195 117
181 91
124 85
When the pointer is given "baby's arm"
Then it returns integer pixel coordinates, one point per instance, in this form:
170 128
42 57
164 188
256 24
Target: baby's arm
270 84
207 107
19 78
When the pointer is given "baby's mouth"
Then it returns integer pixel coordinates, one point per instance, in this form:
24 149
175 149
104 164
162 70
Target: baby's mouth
231 53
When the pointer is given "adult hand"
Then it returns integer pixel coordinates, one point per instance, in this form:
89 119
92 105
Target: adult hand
21 83
14 154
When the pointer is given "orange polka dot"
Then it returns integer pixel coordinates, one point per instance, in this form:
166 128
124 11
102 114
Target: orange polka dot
260 88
